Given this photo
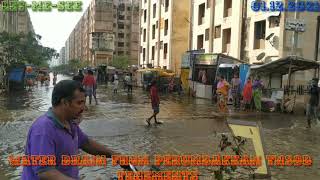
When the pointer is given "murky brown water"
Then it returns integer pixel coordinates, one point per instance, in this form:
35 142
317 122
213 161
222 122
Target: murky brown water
190 127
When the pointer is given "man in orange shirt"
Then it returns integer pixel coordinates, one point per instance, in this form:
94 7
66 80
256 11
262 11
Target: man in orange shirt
89 84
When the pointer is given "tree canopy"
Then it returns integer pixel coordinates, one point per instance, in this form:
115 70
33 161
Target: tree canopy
120 62
24 48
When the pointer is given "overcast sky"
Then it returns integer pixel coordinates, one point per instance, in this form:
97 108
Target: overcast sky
55 27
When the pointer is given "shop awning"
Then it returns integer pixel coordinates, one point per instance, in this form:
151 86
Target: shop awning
282 65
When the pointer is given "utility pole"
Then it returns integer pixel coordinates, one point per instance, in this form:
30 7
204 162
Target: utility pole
316 72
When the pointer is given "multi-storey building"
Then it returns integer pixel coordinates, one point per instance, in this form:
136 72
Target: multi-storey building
118 17
62 56
233 28
126 29
164 33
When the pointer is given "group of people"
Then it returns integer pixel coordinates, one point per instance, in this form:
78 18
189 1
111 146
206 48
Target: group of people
251 93
127 82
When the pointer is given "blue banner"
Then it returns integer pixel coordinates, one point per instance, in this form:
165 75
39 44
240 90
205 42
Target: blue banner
244 74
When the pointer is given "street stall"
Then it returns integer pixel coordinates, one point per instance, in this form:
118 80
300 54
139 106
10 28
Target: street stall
145 76
276 97
205 69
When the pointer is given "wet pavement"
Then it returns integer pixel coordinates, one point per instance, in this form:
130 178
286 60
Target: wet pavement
191 126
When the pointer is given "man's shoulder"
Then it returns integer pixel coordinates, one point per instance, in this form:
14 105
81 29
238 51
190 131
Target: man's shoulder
42 125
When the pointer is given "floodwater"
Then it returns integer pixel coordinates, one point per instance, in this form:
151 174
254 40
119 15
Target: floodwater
191 126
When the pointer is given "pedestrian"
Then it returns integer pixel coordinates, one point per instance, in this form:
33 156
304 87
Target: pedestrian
222 91
235 90
56 134
130 83
115 82
125 82
54 78
79 77
89 84
313 103
155 102
247 94
257 92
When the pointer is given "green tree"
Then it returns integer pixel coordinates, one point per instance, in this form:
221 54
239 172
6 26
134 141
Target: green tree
25 48
120 62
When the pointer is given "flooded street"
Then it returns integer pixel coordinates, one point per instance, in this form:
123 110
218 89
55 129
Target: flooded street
191 126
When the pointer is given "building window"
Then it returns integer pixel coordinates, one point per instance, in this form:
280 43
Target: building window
140 49
152 53
153 31
145 1
164 67
161 44
121 17
114 25
207 35
145 15
128 17
120 35
121 26
226 40
217 31
120 44
165 51
157 25
259 34
144 35
128 9
200 42
201 13
128 44
274 21
144 54
154 11
166 5
166 24
227 8
120 53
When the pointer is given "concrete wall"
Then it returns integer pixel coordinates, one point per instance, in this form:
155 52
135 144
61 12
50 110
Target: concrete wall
180 36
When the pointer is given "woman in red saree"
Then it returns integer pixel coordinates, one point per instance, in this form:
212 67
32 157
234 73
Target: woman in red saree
247 93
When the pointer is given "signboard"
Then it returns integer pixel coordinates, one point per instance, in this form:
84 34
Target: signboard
102 41
185 62
295 25
206 59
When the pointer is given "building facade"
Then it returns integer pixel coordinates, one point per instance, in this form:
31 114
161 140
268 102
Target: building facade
235 29
118 17
62 56
164 33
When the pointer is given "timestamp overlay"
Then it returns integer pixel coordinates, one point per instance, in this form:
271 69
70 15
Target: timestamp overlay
40 6
291 6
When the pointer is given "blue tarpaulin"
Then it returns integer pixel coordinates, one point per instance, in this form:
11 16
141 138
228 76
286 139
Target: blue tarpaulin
17 75
244 73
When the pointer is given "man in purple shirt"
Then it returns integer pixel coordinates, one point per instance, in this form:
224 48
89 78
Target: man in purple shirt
56 134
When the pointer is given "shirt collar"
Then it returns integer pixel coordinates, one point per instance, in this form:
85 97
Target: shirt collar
54 119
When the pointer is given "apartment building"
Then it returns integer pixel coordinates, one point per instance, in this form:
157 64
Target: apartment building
118 17
62 56
16 22
164 33
216 26
233 28
126 29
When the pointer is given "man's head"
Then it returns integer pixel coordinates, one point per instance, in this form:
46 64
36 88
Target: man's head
235 75
69 95
221 78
